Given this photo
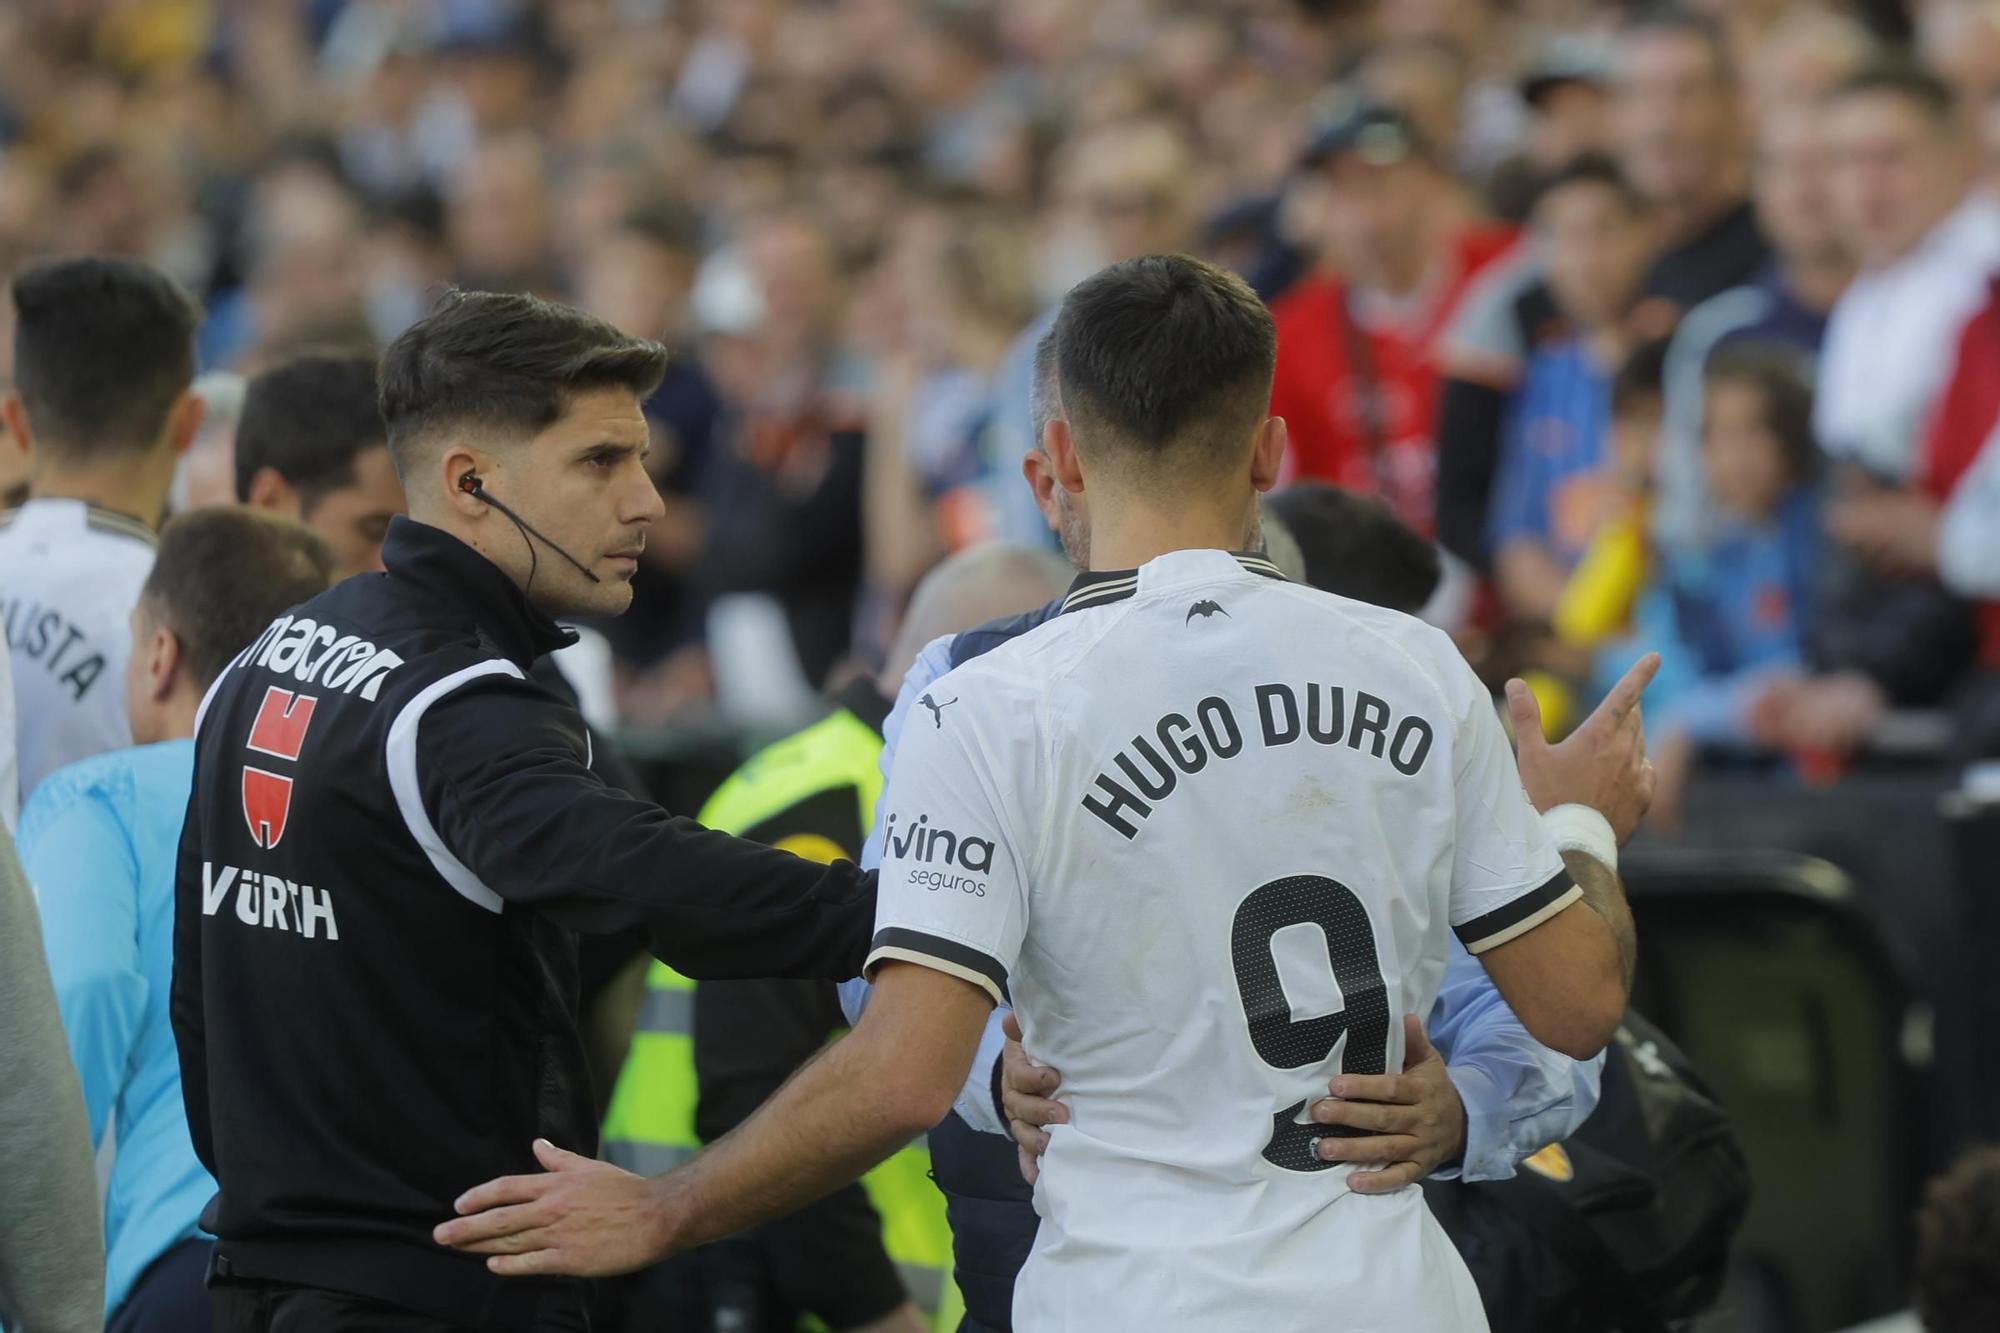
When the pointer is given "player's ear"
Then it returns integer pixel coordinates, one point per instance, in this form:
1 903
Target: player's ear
1267 454
269 490
164 662
455 464
15 414
185 420
1061 448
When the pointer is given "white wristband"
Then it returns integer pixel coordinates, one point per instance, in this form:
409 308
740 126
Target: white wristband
1578 828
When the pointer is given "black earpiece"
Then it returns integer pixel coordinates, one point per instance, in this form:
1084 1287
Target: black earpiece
469 483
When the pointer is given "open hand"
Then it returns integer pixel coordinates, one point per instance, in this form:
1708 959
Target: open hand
1027 1095
582 1218
1417 1117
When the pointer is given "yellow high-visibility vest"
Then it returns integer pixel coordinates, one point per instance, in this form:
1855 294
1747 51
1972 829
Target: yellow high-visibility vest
649 1127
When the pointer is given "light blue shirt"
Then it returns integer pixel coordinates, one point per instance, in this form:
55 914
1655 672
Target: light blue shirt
1519 1095
99 840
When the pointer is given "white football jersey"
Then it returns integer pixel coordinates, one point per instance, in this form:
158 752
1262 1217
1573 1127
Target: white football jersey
1208 829
70 574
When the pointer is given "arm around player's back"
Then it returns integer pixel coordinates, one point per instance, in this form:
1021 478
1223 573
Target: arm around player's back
502 780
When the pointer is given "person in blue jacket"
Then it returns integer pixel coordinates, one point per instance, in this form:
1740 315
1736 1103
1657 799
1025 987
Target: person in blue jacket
99 840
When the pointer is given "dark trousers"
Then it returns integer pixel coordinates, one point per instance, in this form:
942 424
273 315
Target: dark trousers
268 1307
170 1296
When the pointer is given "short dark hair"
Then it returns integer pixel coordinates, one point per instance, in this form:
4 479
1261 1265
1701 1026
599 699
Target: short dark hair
1641 377
308 419
1958 1247
1355 546
1599 169
225 572
1776 373
103 348
1905 77
502 360
1678 20
1167 360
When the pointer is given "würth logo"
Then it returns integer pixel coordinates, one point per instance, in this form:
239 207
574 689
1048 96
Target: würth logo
279 731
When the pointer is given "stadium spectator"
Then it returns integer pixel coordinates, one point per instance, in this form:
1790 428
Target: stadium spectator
1927 240
1356 380
1960 39
1677 125
1734 609
1550 496
99 840
51 1248
103 360
1675 130
1785 306
207 471
311 447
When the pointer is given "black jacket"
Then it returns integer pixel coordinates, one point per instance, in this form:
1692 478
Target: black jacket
392 839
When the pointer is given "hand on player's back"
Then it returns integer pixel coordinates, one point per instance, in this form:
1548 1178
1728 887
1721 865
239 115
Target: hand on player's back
1602 764
1416 1117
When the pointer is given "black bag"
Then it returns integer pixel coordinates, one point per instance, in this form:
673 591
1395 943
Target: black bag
1627 1225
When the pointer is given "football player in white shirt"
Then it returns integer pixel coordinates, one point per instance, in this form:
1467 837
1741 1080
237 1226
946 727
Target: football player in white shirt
103 363
1209 829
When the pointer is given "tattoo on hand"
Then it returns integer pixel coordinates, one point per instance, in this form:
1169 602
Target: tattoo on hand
1604 895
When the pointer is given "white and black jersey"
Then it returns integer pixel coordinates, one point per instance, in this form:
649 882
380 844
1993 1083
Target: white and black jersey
1209 830
70 574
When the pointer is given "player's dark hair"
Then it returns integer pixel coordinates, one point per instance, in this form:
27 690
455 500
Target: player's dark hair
1592 169
1164 362
1958 1247
225 572
1356 547
1776 375
1678 20
1043 394
1641 380
103 348
1905 77
502 362
308 420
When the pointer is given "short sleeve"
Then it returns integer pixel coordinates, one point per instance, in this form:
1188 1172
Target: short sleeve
1506 875
953 892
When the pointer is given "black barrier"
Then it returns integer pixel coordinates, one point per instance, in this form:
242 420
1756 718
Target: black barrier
1801 1011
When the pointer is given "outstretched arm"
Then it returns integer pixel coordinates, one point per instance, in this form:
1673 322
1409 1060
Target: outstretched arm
870 1093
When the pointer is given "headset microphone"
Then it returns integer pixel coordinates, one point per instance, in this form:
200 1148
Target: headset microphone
470 484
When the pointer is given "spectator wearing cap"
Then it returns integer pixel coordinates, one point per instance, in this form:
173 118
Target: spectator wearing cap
99 840
1356 378
1565 91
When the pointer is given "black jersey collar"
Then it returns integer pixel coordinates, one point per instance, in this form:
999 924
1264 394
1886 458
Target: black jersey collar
458 577
1097 587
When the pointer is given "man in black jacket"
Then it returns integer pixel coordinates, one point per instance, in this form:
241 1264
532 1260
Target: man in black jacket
394 837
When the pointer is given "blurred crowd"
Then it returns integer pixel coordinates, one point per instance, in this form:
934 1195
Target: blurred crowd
1672 326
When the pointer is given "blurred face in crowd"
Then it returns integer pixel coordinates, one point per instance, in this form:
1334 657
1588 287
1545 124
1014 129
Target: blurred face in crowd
1793 184
1376 219
1598 244
1960 39
635 283
1425 83
582 482
1674 116
1743 457
1131 186
498 212
1635 438
1898 171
